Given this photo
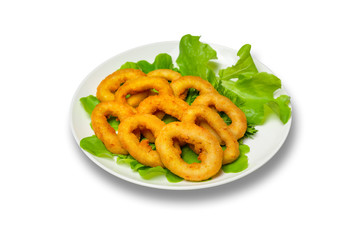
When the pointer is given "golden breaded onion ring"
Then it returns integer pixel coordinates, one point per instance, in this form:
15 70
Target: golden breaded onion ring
210 151
142 84
141 151
102 128
195 113
181 85
159 105
168 74
107 88
238 124
171 105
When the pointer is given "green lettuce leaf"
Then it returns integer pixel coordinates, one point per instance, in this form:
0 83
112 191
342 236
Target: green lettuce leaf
89 103
172 177
114 122
252 92
188 155
162 61
244 65
147 172
151 172
194 57
95 146
130 65
194 60
239 164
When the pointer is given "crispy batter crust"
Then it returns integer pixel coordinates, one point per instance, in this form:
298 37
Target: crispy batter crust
108 86
168 74
102 128
141 151
210 156
169 104
223 104
195 113
181 85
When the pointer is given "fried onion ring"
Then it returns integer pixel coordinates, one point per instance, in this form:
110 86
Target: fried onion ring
102 128
141 151
108 86
171 105
158 106
135 100
168 74
181 85
238 124
210 151
142 84
195 113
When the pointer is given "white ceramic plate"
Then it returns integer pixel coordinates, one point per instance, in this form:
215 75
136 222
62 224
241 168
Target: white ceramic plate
263 146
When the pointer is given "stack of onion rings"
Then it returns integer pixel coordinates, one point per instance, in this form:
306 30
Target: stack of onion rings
161 92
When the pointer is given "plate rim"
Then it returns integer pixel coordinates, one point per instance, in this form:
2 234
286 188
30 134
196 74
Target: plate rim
170 187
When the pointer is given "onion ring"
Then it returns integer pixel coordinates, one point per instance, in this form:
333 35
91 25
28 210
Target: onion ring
102 128
168 74
210 155
158 106
181 85
194 113
142 84
135 100
142 152
169 104
108 86
238 125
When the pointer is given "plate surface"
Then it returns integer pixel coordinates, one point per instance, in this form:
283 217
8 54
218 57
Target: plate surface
263 146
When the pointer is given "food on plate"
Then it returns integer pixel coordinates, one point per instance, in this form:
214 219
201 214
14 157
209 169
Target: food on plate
160 105
142 84
170 105
187 121
108 86
181 85
195 113
238 123
168 74
210 156
102 128
141 151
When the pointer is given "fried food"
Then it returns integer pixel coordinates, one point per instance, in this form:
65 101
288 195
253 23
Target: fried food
140 101
158 106
210 151
181 85
141 151
142 84
108 86
196 113
102 128
238 124
135 100
168 104
168 74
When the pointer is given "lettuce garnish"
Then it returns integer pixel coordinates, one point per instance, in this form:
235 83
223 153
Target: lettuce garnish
252 91
162 61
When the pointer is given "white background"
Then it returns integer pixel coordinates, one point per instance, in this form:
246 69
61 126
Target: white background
51 190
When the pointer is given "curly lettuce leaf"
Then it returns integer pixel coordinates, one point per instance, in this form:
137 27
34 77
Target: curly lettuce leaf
147 172
252 92
89 103
239 164
244 65
162 61
194 60
194 56
95 146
